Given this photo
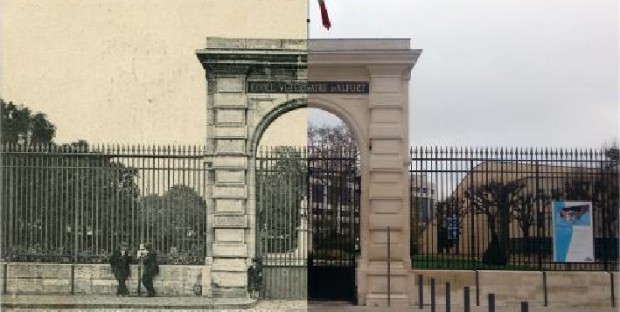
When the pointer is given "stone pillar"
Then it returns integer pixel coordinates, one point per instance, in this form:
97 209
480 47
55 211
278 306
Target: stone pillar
235 121
228 191
380 121
388 186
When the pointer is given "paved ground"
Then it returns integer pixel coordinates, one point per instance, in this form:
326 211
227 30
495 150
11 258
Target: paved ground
106 303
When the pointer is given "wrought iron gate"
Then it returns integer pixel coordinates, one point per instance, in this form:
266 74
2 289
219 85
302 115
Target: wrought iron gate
307 202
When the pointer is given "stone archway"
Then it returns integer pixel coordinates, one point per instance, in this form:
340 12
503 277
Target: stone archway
364 82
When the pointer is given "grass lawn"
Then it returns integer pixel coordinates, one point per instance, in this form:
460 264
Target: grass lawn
461 263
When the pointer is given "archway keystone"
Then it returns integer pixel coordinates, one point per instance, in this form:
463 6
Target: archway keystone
363 81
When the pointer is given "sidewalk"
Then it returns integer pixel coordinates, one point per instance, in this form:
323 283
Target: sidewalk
112 303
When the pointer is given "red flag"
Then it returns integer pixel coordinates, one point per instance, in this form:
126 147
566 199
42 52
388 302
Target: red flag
326 23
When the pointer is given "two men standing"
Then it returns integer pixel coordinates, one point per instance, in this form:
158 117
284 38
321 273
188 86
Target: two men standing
120 262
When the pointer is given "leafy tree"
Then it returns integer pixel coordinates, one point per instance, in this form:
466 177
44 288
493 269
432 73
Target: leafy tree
60 198
281 187
174 221
20 125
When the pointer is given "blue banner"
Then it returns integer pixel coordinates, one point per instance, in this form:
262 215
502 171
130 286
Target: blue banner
573 240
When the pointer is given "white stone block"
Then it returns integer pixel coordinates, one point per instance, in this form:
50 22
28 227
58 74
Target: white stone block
385 84
229 250
386 191
386 115
229 205
230 100
231 221
229 279
230 132
230 85
229 176
387 101
382 221
230 116
229 235
386 131
226 264
386 146
229 192
236 146
387 177
390 162
230 162
386 205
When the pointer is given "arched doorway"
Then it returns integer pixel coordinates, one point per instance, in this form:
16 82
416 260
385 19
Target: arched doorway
363 81
308 209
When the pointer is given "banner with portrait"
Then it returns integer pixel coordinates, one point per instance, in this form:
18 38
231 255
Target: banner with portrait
573 239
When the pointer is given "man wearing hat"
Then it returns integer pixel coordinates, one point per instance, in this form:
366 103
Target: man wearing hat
120 262
150 268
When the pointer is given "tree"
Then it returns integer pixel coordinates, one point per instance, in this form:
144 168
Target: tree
524 211
281 187
19 125
334 162
600 186
331 137
55 196
496 200
174 221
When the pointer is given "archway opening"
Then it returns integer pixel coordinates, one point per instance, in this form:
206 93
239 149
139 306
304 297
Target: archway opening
307 206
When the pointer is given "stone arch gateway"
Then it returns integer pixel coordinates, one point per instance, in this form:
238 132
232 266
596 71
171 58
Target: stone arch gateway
365 82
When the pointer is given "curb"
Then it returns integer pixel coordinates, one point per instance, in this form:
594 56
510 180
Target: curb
130 305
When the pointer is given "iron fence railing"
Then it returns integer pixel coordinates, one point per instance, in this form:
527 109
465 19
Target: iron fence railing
75 203
308 217
491 208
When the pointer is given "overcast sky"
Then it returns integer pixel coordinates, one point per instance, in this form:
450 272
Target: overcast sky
507 72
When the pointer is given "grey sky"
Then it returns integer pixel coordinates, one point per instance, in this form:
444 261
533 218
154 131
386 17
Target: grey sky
509 72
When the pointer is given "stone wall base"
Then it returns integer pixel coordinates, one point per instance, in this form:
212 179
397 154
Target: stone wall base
561 289
50 278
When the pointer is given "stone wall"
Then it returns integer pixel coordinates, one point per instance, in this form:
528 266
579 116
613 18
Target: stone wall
49 278
511 287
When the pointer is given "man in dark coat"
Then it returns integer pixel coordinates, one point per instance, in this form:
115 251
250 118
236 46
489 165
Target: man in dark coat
150 268
120 262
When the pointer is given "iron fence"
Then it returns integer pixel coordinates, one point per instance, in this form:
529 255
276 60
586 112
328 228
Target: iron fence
491 208
307 228
76 203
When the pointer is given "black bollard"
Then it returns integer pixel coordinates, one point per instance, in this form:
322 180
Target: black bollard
432 295
491 302
466 302
447 297
420 292
524 306
613 292
389 259
545 289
